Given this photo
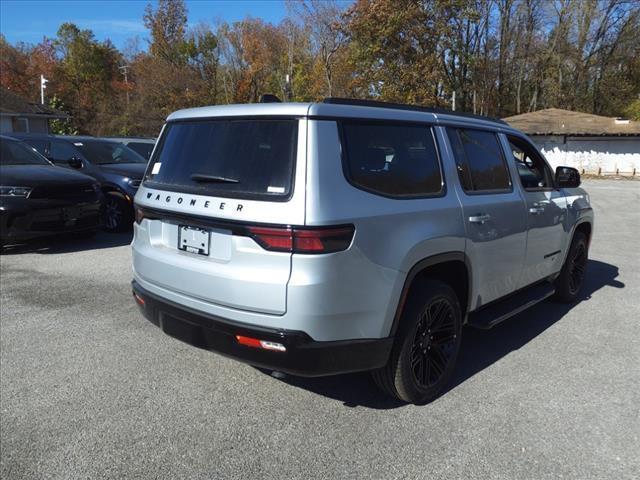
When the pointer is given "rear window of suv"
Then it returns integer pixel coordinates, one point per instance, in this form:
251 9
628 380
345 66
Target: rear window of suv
394 160
237 158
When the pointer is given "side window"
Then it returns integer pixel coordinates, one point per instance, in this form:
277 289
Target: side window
533 171
39 145
20 125
61 151
479 160
398 160
143 149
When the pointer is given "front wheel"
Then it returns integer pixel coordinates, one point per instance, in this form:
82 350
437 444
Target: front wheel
571 278
118 214
426 347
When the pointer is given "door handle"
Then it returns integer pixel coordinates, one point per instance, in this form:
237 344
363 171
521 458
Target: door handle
536 208
479 218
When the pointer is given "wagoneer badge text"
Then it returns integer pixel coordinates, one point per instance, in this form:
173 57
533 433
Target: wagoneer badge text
194 202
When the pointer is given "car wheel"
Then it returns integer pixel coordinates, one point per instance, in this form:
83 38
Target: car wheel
571 278
118 214
423 358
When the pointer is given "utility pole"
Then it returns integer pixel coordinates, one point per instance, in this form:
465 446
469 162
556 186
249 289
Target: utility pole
287 88
125 70
43 85
453 101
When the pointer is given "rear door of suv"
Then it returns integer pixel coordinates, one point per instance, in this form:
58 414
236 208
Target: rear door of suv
215 207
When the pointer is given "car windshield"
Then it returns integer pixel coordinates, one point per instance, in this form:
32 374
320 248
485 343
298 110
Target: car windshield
108 152
143 149
17 153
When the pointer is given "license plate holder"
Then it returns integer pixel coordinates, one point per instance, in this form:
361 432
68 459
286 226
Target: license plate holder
194 239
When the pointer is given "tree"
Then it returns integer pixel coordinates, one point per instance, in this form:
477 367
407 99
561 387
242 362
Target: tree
86 77
394 48
167 25
60 126
323 19
22 65
498 57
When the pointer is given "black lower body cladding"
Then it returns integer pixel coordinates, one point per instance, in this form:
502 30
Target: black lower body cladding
303 356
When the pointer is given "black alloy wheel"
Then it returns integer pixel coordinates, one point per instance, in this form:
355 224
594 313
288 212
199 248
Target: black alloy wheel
426 344
571 279
577 268
433 343
118 213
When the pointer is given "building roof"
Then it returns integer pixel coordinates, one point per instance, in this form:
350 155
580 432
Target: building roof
555 121
14 105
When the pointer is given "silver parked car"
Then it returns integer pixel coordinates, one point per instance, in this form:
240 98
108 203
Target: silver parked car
322 238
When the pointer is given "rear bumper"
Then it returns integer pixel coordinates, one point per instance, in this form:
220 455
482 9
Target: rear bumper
303 356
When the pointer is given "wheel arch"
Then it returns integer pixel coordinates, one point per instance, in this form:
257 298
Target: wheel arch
111 188
585 227
452 268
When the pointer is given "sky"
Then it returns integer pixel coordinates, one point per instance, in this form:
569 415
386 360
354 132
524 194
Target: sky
119 20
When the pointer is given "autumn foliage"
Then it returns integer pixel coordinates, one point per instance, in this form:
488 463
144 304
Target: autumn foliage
494 57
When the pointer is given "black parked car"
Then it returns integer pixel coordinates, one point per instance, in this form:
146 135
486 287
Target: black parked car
141 145
118 169
38 199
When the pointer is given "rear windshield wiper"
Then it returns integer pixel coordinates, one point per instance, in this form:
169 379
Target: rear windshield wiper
202 177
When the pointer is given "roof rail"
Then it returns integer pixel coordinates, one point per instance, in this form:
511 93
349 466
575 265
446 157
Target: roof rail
404 106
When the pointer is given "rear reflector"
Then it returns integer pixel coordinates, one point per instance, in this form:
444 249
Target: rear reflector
303 240
139 300
264 344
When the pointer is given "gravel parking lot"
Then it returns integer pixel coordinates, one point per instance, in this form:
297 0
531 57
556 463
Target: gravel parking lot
89 389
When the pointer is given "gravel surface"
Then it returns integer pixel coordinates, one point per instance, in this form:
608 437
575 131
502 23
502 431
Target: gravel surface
89 389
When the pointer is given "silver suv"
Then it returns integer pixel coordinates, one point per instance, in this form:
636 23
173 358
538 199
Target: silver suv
322 238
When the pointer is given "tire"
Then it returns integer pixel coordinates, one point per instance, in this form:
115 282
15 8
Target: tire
571 278
416 376
118 214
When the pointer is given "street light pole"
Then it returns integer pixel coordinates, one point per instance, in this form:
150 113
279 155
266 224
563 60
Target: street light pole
43 85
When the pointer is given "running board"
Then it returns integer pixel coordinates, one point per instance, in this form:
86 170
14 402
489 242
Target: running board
502 310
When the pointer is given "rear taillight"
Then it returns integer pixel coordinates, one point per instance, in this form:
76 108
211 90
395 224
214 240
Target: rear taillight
289 239
303 240
325 240
276 239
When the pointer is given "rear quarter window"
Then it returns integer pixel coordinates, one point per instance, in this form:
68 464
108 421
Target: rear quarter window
394 160
234 158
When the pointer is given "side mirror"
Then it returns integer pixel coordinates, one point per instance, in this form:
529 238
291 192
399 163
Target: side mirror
567 177
75 162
